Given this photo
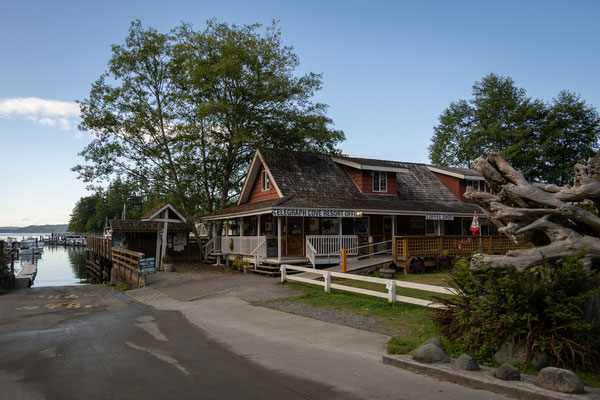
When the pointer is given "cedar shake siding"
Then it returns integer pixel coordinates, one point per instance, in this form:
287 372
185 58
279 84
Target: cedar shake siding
364 181
257 193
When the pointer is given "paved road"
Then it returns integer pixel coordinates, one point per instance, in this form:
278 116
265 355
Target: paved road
92 343
191 336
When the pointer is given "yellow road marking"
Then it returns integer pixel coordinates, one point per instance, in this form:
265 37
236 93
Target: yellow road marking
149 297
27 308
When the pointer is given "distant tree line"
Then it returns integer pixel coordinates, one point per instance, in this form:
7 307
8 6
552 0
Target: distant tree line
180 114
542 139
92 213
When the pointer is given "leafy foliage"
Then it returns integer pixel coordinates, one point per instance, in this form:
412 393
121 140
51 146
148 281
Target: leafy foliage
91 212
541 139
541 308
182 112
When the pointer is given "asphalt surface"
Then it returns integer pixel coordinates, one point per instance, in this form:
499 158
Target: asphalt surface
192 336
93 343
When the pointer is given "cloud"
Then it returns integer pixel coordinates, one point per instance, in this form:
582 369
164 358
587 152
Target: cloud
49 113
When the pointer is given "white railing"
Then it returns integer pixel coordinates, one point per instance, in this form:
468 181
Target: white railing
327 244
209 248
260 252
244 245
311 253
390 285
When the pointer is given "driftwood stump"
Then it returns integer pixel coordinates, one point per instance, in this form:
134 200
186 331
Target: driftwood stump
558 221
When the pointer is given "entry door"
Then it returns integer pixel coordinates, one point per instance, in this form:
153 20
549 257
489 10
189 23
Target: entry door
387 230
295 236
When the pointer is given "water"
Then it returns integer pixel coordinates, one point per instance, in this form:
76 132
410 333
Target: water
58 265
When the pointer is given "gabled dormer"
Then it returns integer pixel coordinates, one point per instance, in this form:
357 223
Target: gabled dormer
259 184
459 179
372 176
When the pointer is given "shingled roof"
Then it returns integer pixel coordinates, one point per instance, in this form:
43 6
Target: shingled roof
310 180
129 225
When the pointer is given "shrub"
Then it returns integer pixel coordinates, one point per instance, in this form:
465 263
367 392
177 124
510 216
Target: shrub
541 308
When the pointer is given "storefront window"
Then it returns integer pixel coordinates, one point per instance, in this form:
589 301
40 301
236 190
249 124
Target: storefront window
330 226
313 226
250 226
361 226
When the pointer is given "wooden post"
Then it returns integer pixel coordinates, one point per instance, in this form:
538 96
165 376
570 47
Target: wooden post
164 236
279 244
157 258
395 249
344 260
391 287
283 272
327 278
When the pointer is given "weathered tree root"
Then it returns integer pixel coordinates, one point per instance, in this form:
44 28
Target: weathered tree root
548 216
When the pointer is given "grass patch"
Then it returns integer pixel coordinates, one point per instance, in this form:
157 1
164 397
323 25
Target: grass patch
122 287
414 322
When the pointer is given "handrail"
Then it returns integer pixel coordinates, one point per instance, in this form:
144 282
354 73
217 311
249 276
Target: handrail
210 243
360 247
258 257
311 253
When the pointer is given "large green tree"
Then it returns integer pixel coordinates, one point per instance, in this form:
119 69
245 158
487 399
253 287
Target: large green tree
541 139
181 112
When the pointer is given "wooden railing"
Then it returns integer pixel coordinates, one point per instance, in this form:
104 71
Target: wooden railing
100 245
452 246
244 245
330 244
126 264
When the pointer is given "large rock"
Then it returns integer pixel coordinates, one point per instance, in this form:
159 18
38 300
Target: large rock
435 341
510 353
430 353
507 372
559 380
466 362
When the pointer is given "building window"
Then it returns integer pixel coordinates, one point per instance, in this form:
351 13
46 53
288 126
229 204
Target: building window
379 181
266 182
473 184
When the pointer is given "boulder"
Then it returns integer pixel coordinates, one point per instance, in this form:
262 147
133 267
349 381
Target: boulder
430 353
559 380
466 362
510 353
435 341
507 372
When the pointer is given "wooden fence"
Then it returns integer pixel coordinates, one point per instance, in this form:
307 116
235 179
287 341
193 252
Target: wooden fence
390 284
100 245
414 253
126 264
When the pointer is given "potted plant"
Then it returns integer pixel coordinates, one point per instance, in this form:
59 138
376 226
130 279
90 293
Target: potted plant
167 263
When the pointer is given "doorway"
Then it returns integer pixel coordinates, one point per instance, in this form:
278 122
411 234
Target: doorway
295 236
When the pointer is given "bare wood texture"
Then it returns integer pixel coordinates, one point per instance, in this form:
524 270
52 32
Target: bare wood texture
548 216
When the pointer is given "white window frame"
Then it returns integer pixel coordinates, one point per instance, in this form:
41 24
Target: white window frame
471 183
265 181
382 183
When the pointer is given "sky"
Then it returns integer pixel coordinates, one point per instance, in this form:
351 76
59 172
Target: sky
389 70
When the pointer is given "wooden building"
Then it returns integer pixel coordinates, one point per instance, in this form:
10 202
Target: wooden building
306 207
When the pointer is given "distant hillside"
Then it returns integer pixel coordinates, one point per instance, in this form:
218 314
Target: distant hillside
34 229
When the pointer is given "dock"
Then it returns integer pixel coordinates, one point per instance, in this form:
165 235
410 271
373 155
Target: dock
25 277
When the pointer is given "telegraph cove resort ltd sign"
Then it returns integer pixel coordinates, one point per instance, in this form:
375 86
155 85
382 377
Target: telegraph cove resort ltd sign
311 212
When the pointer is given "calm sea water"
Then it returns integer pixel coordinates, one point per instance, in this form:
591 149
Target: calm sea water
58 265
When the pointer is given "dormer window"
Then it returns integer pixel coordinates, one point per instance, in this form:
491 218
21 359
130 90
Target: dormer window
265 181
472 183
379 181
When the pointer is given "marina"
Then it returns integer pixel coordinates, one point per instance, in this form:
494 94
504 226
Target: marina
57 265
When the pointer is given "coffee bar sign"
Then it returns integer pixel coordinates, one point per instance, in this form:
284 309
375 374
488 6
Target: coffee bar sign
311 212
439 217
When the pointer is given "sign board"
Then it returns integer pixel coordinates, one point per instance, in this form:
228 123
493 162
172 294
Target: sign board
439 217
147 266
312 212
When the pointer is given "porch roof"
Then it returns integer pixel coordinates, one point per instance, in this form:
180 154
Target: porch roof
371 204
